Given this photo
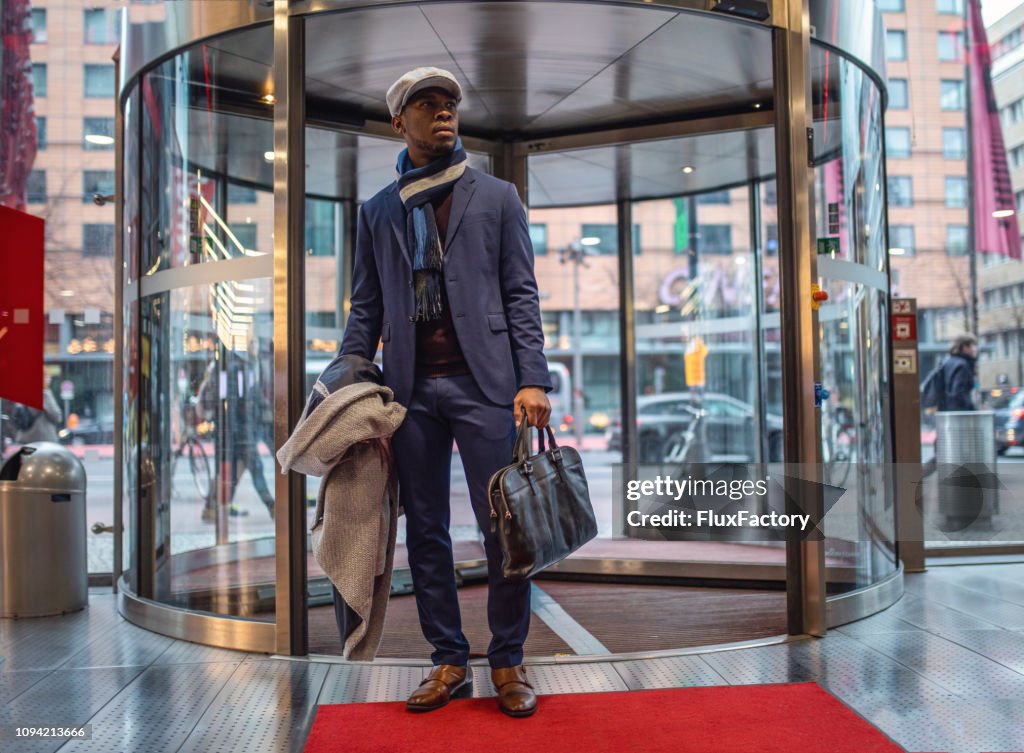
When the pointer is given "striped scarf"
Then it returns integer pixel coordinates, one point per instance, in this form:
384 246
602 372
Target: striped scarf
418 187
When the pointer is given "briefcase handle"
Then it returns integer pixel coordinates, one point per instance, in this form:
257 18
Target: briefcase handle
521 448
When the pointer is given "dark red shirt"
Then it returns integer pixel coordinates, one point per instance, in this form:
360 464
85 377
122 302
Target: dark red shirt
438 353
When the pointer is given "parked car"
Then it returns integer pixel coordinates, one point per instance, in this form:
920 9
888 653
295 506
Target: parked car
89 431
1008 405
729 427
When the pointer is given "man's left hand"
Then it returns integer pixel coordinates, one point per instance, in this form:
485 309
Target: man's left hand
537 405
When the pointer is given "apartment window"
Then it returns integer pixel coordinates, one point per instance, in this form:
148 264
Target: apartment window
99 80
956 191
771 195
714 239
1016 156
41 131
39 79
951 45
950 6
97 182
242 195
896 45
714 197
956 240
39 25
97 240
901 191
608 238
35 188
901 240
954 143
897 142
99 26
951 95
1020 201
898 95
539 238
98 133
1013 112
890 6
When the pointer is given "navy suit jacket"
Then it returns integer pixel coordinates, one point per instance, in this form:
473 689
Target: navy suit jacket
488 274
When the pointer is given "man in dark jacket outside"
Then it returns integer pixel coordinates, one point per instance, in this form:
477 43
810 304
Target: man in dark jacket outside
958 372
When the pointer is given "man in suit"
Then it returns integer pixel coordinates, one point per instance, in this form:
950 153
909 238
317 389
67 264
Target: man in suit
444 277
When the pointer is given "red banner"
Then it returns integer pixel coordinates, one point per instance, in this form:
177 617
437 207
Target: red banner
21 308
995 216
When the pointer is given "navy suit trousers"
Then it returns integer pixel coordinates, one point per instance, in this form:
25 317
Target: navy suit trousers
443 409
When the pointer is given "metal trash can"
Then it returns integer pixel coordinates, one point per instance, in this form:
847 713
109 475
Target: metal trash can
965 457
43 565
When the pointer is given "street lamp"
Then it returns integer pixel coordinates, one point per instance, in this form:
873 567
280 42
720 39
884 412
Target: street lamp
575 254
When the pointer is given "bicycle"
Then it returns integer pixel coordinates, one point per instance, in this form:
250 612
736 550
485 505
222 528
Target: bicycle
192 448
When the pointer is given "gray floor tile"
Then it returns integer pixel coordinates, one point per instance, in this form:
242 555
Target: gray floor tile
268 706
66 697
133 721
672 672
952 666
13 684
127 646
548 679
361 683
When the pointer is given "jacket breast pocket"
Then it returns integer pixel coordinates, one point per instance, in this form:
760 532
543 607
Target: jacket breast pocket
385 333
497 322
471 218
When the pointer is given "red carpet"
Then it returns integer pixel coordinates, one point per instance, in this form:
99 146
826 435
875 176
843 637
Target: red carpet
790 718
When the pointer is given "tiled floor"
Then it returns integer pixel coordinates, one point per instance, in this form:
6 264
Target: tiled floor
942 670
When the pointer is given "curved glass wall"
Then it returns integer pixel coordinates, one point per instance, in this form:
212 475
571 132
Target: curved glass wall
199 342
702 254
853 324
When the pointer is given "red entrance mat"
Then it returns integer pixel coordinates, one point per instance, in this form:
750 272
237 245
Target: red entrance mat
786 718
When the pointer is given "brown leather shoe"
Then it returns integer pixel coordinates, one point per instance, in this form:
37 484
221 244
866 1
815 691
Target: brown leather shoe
516 696
445 681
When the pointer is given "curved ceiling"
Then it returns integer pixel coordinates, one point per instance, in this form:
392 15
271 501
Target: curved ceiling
530 70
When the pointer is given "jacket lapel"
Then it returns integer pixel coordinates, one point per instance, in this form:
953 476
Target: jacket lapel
462 193
397 214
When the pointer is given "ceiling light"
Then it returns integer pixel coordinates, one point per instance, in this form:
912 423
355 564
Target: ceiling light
268 98
897 251
67 293
268 156
1003 213
688 169
95 138
590 240
757 105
